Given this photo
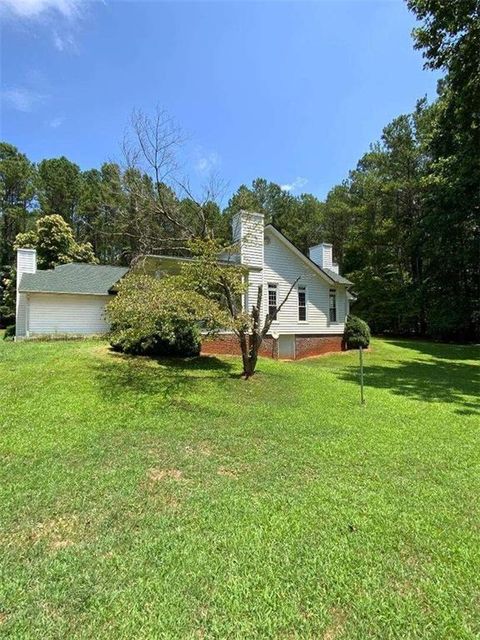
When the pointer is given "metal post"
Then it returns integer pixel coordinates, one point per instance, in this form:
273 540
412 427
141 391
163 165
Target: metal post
362 399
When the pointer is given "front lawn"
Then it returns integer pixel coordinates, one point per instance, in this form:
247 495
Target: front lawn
141 499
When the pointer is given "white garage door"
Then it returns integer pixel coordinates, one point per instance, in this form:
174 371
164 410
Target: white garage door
61 313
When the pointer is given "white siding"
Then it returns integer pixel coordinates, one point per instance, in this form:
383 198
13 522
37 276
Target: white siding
283 267
248 229
255 279
321 254
21 316
51 313
26 263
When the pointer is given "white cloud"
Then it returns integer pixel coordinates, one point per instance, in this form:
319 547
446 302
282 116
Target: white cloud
298 183
54 123
36 8
22 99
59 17
64 42
206 162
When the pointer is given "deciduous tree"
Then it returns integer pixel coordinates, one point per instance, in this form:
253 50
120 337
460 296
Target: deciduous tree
55 243
224 282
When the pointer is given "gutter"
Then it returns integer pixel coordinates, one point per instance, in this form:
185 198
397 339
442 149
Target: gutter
67 293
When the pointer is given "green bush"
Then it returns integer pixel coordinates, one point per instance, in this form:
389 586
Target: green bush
185 341
357 333
151 316
9 332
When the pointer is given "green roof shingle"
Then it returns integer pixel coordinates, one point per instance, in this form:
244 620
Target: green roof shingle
74 277
337 277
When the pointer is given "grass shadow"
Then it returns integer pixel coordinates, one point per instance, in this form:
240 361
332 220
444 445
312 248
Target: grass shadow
429 380
170 380
439 350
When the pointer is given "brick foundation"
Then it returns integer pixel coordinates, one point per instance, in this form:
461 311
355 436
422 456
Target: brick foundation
315 345
227 344
305 346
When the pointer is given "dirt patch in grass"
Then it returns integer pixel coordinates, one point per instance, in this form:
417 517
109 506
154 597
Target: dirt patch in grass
56 533
159 488
156 475
203 449
227 473
336 626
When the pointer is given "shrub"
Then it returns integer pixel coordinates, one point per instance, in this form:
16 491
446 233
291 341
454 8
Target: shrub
9 332
183 342
357 333
159 317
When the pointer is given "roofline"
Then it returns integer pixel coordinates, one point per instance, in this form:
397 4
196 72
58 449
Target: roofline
85 264
302 256
174 258
187 259
66 293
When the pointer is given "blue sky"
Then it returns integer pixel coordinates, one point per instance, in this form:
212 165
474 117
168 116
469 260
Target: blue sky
291 91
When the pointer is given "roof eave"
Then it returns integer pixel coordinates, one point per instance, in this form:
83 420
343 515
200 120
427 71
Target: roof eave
313 264
66 293
301 255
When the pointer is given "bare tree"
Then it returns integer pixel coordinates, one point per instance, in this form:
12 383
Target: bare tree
219 277
253 333
158 190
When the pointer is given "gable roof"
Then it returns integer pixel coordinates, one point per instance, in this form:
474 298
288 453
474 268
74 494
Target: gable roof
328 274
75 277
336 277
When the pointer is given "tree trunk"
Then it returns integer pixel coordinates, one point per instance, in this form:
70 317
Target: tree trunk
243 338
250 343
254 339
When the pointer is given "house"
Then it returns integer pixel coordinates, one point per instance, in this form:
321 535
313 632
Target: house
312 321
71 298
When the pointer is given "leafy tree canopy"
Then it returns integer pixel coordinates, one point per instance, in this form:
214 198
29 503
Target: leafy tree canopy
55 243
147 309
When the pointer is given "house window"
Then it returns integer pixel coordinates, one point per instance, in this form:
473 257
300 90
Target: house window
272 301
302 304
332 306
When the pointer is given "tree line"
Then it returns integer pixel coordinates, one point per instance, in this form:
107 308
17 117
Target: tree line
404 224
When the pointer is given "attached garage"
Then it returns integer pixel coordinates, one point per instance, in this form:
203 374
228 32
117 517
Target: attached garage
50 313
67 300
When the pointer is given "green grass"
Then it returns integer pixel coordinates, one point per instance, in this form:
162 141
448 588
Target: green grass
141 499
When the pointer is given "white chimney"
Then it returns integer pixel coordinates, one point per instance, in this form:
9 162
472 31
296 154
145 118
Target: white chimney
26 263
248 231
322 255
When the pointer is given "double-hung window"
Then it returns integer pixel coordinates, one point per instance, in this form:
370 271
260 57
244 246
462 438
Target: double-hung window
332 305
302 304
272 301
